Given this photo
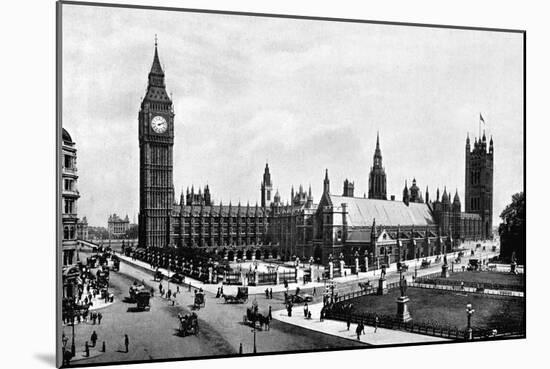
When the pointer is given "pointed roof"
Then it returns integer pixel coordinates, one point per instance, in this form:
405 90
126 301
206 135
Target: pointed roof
156 68
456 198
377 151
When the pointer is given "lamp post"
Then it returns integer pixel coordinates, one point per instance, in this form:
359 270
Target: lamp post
469 312
73 347
254 331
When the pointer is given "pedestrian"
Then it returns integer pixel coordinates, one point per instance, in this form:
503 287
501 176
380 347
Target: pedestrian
99 316
169 294
269 314
348 321
305 310
362 327
462 285
322 314
126 342
271 293
314 292
87 349
178 289
266 293
152 291
93 338
375 323
358 331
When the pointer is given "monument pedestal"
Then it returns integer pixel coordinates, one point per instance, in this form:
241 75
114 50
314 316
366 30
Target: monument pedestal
445 271
402 310
382 286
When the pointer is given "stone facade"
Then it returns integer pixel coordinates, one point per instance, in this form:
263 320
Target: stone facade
117 226
82 229
69 197
379 230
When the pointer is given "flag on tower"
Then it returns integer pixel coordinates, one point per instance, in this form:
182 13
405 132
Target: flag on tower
481 118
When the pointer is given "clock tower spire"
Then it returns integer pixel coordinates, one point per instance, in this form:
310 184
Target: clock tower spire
156 141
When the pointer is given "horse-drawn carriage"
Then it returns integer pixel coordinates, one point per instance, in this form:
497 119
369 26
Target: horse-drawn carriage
158 276
425 263
142 298
199 300
116 263
134 290
402 266
254 317
189 324
240 298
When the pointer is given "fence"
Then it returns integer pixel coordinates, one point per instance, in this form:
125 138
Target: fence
480 292
427 328
287 276
267 278
488 286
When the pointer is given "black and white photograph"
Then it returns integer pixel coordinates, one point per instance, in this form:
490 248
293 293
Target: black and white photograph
239 184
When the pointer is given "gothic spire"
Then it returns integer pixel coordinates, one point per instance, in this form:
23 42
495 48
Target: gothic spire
156 68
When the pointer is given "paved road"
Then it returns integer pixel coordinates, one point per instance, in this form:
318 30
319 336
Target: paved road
153 333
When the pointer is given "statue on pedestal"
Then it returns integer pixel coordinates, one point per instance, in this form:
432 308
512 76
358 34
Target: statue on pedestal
403 286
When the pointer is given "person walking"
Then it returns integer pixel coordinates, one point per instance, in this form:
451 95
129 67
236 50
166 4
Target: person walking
362 327
348 321
314 291
306 308
267 293
99 316
358 331
93 338
271 293
375 323
269 313
126 342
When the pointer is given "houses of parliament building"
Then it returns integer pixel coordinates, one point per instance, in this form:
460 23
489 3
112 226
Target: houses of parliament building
340 224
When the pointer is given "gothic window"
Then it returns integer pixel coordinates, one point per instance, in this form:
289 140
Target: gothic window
339 235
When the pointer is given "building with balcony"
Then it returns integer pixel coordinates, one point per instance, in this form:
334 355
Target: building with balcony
69 198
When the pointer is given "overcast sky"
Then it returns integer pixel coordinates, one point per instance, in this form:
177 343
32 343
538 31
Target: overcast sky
303 95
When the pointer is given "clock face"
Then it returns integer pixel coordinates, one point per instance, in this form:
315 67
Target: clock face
159 124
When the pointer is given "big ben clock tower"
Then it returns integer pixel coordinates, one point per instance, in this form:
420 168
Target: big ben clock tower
156 141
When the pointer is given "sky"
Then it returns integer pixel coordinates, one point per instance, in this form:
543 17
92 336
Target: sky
302 95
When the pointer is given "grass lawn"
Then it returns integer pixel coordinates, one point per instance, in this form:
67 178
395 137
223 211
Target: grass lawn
489 277
445 307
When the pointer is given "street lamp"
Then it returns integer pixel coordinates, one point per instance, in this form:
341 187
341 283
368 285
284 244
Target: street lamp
469 312
254 330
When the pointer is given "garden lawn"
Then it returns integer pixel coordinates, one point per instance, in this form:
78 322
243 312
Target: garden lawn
447 308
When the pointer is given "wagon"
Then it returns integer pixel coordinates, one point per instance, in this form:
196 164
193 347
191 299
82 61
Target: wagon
199 300
189 325
142 298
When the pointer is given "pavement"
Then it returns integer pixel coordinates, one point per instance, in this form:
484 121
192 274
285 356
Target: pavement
224 321
338 328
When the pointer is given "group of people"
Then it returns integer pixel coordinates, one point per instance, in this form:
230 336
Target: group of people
219 293
269 293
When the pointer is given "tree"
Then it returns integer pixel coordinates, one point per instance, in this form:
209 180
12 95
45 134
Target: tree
512 229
